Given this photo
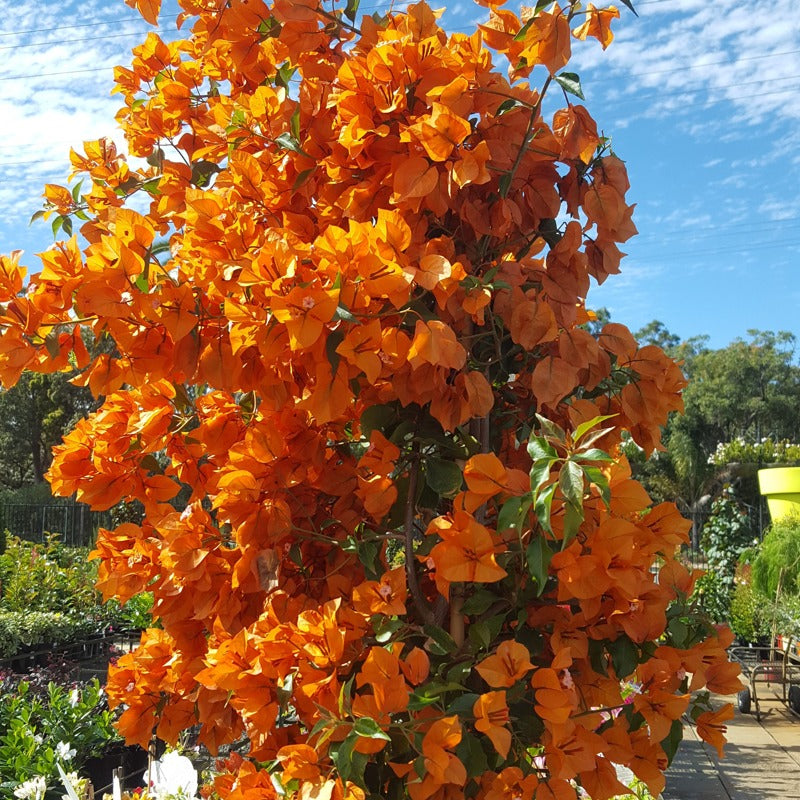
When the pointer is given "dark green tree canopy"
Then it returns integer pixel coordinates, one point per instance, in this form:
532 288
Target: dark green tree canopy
34 415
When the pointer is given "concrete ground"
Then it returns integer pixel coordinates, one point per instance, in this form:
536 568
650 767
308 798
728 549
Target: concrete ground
762 760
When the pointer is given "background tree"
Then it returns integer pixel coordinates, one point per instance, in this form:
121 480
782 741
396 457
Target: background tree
370 331
749 390
34 416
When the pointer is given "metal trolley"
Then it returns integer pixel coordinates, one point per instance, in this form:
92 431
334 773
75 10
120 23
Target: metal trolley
768 666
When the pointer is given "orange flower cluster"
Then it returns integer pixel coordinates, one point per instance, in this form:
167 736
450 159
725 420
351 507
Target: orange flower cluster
348 371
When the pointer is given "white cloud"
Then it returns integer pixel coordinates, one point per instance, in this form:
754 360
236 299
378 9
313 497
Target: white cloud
681 56
56 78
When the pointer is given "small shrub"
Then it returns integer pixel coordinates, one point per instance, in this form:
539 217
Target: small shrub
713 595
750 613
38 729
726 535
46 577
32 494
135 615
778 562
21 631
786 614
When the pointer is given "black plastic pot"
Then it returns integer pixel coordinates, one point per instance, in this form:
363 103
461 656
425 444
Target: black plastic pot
130 760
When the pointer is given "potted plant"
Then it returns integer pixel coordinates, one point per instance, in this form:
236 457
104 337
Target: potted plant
781 487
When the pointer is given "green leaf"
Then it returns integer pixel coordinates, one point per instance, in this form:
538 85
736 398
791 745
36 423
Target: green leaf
367 728
463 706
537 557
287 142
539 448
504 184
679 633
540 472
478 602
675 736
571 83
542 506
296 555
586 426
151 187
38 215
335 338
573 516
507 105
56 225
377 418
570 481
269 27
459 673
386 628
397 512
496 624
593 454
418 700
522 32
480 635
344 756
302 178
551 430
284 75
294 124
202 172
444 477
439 640
472 755
320 726
368 554
344 314
67 226
351 9
595 475
597 657
624 656
76 192
513 513
436 688
51 343
349 763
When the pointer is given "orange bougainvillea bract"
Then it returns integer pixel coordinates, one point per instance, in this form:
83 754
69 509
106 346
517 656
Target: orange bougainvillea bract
334 313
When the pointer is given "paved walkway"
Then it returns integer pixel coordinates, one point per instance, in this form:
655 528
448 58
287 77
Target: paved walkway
762 760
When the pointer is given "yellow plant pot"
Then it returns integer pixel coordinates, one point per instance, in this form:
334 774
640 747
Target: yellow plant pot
781 487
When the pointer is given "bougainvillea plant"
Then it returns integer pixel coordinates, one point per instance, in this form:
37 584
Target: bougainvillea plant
408 559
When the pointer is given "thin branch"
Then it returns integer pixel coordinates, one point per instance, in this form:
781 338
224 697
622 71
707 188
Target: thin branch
420 602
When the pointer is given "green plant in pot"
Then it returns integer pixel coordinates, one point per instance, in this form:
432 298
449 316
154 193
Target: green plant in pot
750 612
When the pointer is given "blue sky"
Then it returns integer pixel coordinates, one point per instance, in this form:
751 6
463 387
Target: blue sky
702 101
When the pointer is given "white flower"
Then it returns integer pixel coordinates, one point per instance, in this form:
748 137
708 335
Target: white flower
74 697
64 751
172 776
33 789
38 738
79 785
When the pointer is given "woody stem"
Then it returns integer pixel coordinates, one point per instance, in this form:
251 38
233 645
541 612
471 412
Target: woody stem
456 613
411 570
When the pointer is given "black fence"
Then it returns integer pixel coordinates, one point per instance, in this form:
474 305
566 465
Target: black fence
76 523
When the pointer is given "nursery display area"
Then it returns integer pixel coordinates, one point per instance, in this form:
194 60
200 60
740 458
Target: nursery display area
331 309
57 637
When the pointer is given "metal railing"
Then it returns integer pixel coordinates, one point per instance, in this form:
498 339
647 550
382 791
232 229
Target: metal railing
76 523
